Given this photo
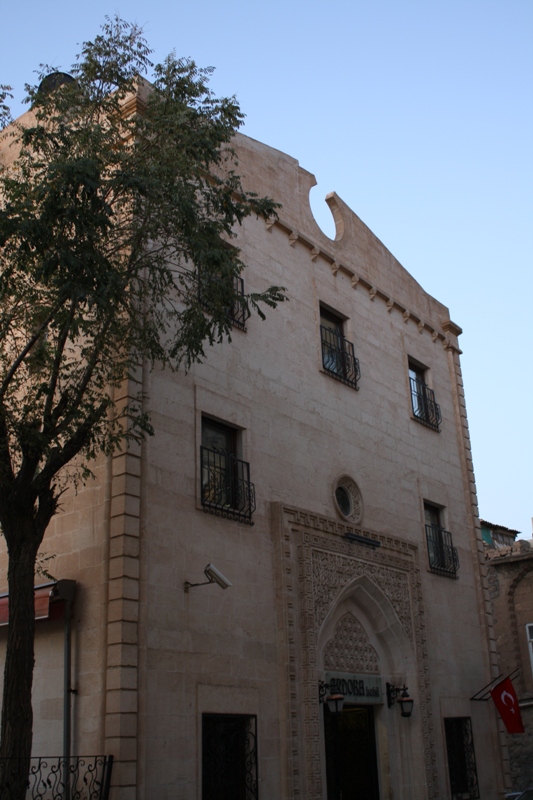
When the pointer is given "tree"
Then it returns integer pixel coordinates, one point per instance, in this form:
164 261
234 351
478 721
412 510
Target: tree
115 218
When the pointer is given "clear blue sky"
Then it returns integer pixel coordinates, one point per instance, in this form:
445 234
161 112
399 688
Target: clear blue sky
419 114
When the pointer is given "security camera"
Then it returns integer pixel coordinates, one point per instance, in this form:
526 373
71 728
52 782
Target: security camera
214 576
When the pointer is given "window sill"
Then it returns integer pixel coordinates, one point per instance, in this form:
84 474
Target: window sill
443 573
429 425
228 513
339 378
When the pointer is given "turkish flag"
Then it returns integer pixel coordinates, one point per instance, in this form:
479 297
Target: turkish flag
506 702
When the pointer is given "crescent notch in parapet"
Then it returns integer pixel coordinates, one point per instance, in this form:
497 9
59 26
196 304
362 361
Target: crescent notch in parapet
335 206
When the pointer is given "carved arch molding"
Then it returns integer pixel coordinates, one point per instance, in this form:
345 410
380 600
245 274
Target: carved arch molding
317 561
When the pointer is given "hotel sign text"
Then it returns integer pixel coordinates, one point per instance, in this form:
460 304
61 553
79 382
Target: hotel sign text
358 689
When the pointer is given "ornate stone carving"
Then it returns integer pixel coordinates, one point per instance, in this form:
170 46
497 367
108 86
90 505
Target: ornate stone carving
317 561
350 502
349 650
332 571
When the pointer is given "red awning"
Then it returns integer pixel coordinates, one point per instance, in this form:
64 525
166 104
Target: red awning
42 603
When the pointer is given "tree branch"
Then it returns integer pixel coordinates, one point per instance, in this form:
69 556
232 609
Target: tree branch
34 339
52 384
62 456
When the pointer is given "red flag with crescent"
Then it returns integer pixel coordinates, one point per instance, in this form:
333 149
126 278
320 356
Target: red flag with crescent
506 702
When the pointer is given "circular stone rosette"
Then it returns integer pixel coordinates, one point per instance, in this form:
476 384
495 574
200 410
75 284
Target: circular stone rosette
348 500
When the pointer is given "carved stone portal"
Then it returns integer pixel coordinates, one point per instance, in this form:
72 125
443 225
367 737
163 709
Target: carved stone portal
350 650
317 561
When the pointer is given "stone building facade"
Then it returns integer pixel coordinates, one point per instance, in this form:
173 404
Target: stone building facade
338 428
510 575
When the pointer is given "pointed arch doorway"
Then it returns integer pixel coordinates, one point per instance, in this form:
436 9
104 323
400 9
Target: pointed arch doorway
349 737
361 640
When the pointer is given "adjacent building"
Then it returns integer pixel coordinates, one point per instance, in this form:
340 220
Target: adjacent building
510 575
320 462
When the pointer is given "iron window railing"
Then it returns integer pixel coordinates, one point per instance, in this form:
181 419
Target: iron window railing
229 757
461 758
237 312
443 556
226 489
56 778
338 357
425 409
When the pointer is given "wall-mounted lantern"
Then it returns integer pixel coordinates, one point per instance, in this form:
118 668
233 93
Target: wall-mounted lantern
335 701
406 702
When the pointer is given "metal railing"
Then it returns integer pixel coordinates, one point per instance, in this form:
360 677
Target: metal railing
54 778
443 556
226 489
425 409
338 357
462 769
237 313
229 757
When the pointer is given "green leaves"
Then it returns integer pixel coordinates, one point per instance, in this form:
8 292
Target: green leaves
5 114
122 200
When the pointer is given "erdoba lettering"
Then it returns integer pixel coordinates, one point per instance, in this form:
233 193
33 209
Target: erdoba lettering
353 687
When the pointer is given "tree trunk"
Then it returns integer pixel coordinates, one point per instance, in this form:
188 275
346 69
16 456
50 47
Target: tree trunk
17 714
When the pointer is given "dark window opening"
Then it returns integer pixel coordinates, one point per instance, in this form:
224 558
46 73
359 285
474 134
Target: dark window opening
425 409
226 291
229 757
443 556
461 758
344 500
338 357
226 489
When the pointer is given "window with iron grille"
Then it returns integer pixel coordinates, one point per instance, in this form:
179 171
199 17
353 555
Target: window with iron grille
226 489
338 357
425 409
229 757
461 758
229 292
443 556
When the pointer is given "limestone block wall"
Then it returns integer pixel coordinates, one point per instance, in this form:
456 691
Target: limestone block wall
300 430
150 659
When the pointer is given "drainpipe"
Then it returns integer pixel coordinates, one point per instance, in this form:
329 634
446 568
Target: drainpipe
66 590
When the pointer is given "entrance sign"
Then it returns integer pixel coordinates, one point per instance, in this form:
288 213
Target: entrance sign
357 689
